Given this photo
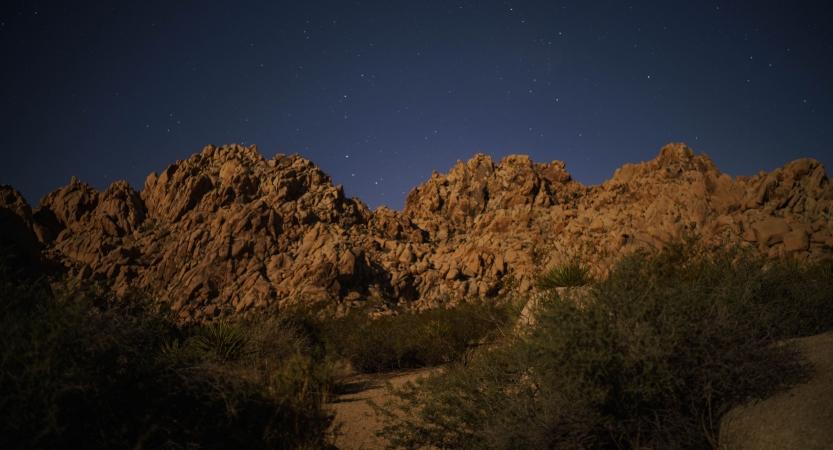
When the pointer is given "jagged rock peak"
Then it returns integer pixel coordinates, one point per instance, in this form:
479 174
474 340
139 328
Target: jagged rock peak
480 185
222 176
12 199
71 202
673 160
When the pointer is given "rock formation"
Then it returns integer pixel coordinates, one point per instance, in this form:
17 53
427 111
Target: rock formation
226 230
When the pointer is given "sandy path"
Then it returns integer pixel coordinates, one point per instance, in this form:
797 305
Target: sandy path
799 419
357 419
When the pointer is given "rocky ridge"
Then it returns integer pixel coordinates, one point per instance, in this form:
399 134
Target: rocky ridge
227 231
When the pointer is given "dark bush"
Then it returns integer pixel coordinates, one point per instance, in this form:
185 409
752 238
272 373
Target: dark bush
85 370
660 351
432 337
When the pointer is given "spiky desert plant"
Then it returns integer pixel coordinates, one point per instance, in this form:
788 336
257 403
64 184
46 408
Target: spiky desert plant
222 341
169 348
824 270
793 269
569 274
176 350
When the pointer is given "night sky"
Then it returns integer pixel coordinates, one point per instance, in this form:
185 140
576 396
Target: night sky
379 94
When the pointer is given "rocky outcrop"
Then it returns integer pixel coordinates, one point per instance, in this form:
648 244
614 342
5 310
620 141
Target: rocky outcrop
39 222
486 219
226 230
223 231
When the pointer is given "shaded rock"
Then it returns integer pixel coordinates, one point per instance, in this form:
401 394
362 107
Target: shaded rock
19 252
44 227
70 203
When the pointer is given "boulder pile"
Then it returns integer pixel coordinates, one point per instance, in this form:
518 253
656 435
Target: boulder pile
227 231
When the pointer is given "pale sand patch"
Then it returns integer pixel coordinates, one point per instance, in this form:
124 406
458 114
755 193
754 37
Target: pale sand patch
358 424
798 419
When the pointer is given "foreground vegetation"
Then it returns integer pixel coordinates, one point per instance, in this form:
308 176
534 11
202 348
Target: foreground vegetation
652 356
85 369
401 341
82 369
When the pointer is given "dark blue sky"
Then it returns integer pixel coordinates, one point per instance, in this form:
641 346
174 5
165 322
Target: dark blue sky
379 94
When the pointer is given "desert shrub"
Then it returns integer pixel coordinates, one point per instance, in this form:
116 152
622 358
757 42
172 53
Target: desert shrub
799 298
302 387
432 337
666 346
87 370
69 356
272 342
491 402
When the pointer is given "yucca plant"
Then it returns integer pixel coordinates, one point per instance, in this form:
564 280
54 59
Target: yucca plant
170 348
177 350
570 274
793 269
826 270
222 341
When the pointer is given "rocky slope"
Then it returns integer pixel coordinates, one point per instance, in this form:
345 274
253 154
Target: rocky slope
227 231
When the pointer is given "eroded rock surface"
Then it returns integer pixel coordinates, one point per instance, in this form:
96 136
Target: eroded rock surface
226 230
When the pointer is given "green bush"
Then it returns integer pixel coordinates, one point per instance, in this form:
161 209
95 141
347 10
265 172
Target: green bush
433 337
86 370
272 342
301 388
465 406
665 346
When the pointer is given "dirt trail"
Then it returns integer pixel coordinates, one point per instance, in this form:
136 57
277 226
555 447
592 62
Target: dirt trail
357 419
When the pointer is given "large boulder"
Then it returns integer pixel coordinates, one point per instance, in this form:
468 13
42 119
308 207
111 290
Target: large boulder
796 240
770 231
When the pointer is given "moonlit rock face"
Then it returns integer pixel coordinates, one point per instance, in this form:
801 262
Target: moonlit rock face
227 231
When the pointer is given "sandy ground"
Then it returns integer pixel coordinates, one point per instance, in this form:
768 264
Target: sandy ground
799 419
356 418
